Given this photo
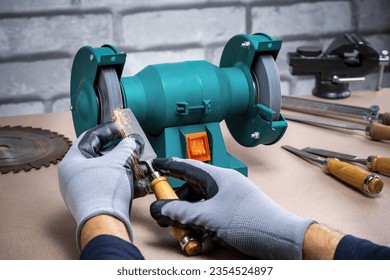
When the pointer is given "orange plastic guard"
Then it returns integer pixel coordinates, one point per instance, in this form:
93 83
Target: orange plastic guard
198 146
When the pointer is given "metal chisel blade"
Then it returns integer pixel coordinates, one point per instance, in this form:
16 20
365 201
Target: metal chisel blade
340 156
304 154
318 122
130 125
328 109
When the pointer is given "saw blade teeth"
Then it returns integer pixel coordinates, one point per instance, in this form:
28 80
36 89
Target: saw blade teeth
52 147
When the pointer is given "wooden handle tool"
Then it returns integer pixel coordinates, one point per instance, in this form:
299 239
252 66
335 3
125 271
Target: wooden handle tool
128 124
354 176
386 118
378 164
163 190
378 131
348 173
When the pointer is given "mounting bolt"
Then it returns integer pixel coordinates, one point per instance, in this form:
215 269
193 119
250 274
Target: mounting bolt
255 135
71 108
246 44
91 57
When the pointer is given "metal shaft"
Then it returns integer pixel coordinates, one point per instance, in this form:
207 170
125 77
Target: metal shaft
329 109
324 123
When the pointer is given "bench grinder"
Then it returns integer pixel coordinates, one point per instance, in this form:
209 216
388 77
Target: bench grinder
180 105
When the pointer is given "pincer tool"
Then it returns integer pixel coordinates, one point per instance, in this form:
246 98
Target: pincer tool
348 173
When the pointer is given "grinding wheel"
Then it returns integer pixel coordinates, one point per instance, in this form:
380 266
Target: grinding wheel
109 93
267 83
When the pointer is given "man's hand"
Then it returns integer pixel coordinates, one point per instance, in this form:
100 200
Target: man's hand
226 205
93 182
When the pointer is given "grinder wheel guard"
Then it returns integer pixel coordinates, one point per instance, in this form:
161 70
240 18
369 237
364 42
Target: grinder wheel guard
24 148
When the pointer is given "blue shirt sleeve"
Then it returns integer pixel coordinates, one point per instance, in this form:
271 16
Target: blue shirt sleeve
109 247
353 248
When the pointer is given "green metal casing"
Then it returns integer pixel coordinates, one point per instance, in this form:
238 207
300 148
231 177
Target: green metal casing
173 99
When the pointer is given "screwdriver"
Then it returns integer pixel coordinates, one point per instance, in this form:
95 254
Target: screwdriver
348 173
373 163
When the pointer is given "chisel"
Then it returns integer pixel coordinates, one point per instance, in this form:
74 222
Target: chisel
128 125
348 173
322 108
373 163
375 131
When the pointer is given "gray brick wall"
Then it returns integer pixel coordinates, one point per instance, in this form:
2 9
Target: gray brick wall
38 39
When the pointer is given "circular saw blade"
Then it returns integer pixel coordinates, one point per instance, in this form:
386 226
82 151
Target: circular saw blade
267 84
24 148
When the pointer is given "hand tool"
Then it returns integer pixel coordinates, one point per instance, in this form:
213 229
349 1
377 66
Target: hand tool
349 58
373 163
24 148
348 173
128 125
375 131
329 109
180 105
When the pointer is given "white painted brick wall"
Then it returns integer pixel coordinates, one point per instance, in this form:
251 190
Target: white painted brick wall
38 39
312 18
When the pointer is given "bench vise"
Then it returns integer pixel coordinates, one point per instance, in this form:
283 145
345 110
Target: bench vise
349 58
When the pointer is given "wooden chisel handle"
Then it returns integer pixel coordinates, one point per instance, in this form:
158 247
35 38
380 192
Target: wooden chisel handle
386 118
378 163
163 190
379 131
354 176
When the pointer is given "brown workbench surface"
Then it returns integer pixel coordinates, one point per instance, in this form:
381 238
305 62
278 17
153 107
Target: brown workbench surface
35 223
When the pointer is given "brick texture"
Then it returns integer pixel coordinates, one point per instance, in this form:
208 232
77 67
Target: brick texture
38 39
193 26
313 19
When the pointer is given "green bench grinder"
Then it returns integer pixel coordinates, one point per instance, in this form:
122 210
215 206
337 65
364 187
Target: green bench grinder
180 105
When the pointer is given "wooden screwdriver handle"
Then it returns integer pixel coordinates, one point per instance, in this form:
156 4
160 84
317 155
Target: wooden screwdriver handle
386 118
354 176
378 163
379 131
163 190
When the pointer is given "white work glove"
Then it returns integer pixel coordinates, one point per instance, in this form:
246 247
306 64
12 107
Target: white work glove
92 183
226 205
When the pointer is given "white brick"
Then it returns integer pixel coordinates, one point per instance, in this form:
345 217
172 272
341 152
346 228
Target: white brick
23 108
214 55
135 62
379 41
61 105
23 5
314 19
137 3
32 79
374 15
174 27
57 33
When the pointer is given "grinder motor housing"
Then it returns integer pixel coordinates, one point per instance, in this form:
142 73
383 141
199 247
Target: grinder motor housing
180 105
